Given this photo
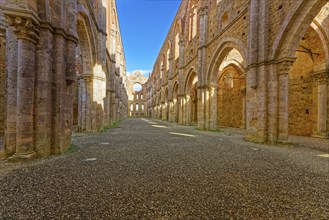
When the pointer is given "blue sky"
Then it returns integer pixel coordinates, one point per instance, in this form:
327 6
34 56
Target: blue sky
144 26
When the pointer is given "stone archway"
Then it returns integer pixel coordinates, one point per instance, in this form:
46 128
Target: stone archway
228 64
166 105
303 92
84 67
176 103
231 98
191 85
308 95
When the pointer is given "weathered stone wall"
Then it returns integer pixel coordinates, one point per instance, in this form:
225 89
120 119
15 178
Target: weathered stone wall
43 89
137 97
3 79
267 35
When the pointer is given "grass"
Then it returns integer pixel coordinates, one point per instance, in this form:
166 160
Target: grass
112 126
215 131
72 149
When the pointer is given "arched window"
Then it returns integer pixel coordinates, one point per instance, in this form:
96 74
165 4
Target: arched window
161 70
137 107
137 96
168 55
176 46
193 22
131 107
142 96
142 107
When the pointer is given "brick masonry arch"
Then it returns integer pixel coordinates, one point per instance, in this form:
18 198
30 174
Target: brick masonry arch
225 46
294 27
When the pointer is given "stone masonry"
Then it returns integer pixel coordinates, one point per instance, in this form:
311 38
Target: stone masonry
137 100
62 67
262 65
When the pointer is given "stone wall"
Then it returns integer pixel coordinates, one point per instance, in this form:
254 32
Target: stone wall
43 90
3 78
266 36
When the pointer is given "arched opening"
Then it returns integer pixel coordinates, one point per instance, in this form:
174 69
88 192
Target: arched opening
83 88
175 103
303 84
191 98
131 109
227 81
168 57
231 98
166 105
307 86
176 46
193 18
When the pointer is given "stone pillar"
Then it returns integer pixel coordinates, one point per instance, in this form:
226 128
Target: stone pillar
213 107
181 109
27 37
283 68
43 93
188 110
171 111
11 93
322 95
3 79
201 108
243 122
203 117
207 108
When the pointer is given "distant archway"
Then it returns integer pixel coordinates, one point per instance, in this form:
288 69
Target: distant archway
175 103
191 109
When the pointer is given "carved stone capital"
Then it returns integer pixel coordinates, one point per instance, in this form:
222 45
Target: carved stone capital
113 33
203 11
321 77
284 66
24 28
181 43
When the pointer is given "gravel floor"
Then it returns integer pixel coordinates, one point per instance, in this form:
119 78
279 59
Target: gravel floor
150 170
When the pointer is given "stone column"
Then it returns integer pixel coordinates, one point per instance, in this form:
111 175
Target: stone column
283 68
201 105
322 95
3 79
43 93
27 37
203 117
207 108
188 110
243 122
181 109
88 81
213 107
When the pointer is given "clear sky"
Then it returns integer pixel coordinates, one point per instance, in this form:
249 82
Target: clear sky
144 26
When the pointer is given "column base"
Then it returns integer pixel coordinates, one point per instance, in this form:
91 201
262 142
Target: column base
285 143
20 157
321 135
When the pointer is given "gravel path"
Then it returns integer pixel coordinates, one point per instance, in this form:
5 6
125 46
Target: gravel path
155 170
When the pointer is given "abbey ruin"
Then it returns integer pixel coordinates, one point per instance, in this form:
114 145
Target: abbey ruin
261 65
62 68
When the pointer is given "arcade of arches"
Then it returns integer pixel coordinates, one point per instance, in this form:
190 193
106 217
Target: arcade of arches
62 69
261 65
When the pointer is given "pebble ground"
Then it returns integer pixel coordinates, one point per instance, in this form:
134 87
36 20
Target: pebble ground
148 169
